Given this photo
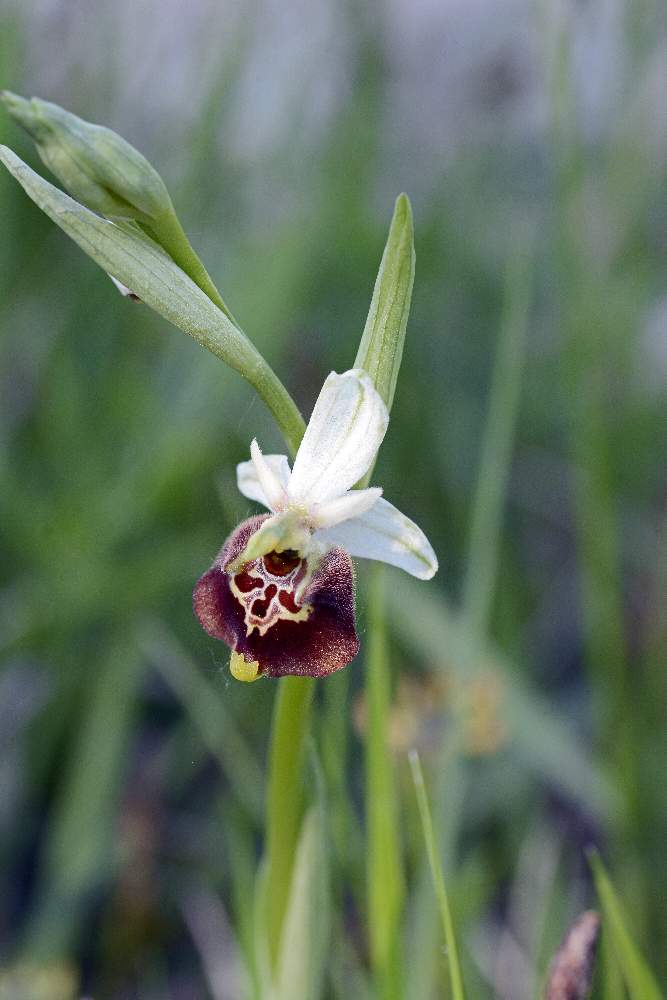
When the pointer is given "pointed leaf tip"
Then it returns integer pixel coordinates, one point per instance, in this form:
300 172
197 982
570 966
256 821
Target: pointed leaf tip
141 265
106 174
403 208
95 165
381 347
26 113
639 979
11 100
402 217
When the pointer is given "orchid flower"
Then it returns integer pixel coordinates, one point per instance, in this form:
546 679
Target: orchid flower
281 592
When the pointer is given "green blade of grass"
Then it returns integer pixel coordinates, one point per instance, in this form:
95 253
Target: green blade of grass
425 952
455 978
79 855
610 976
299 965
345 832
494 466
483 548
348 975
238 834
208 713
384 866
540 741
639 979
304 946
589 333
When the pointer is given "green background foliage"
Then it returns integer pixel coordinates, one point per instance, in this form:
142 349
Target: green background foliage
527 439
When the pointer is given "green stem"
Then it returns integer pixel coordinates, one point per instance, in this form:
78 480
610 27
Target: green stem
292 707
169 233
486 527
384 867
285 412
284 807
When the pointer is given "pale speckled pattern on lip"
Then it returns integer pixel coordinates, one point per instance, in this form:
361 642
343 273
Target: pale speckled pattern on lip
324 642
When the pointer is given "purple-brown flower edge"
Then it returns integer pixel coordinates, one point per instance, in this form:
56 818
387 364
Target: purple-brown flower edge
254 611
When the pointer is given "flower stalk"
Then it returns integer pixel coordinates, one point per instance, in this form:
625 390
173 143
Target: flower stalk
380 354
385 881
285 798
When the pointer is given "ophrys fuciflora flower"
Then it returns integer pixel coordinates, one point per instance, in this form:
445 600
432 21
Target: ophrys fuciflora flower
281 590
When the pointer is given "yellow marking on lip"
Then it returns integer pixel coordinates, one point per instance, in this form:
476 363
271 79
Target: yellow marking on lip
242 669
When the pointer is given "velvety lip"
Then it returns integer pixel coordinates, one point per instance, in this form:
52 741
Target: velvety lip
325 642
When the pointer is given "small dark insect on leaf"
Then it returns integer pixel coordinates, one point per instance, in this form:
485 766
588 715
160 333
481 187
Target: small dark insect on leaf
124 290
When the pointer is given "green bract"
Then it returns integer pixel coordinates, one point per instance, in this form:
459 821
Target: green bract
142 265
381 347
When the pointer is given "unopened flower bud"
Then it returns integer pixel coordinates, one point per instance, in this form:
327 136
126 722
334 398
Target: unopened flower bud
96 166
105 173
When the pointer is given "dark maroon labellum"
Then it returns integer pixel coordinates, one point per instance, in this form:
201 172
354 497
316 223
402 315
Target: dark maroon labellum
255 610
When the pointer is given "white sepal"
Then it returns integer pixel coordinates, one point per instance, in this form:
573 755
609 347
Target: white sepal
251 486
345 431
351 504
383 533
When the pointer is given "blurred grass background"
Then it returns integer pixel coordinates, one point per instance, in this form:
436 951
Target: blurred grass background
527 438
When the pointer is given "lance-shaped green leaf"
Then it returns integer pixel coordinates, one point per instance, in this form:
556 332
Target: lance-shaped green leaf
639 979
108 175
140 264
79 851
305 933
381 347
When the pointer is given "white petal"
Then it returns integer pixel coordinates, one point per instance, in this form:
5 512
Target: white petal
345 431
250 484
351 504
383 533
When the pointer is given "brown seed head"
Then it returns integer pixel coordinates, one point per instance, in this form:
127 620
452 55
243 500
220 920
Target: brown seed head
571 971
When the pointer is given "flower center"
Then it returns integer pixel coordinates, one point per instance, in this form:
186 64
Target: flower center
266 588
